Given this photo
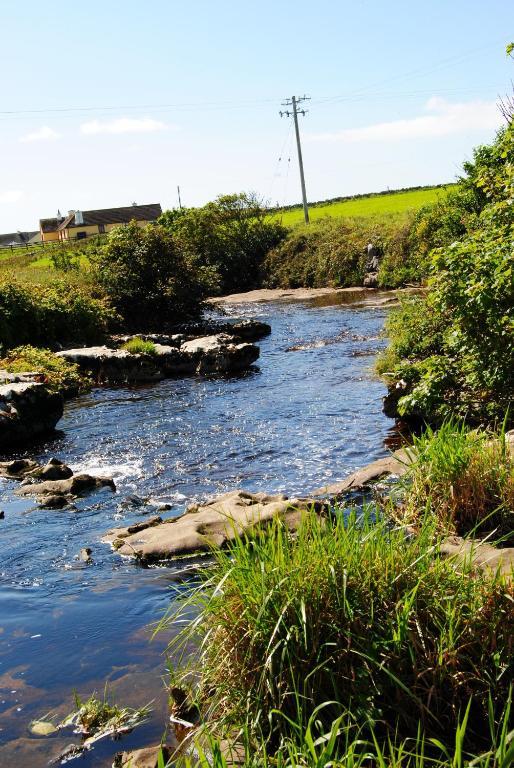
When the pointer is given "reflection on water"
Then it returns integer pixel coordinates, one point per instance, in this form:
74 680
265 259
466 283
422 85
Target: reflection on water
300 420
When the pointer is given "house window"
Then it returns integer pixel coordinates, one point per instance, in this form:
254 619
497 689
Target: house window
101 228
81 235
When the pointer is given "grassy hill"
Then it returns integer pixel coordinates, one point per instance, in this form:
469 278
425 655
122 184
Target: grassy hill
367 205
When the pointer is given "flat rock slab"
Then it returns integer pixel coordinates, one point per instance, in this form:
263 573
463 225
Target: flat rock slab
28 410
213 524
217 354
483 555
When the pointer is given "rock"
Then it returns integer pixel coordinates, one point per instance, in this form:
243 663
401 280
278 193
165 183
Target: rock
371 280
72 750
207 354
2 514
483 555
55 501
247 330
148 757
17 468
115 366
76 486
173 361
390 401
28 410
213 523
85 555
55 469
42 728
218 354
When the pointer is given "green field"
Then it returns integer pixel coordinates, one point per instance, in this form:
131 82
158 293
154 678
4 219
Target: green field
372 205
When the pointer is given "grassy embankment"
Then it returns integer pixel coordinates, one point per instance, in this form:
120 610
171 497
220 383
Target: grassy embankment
365 206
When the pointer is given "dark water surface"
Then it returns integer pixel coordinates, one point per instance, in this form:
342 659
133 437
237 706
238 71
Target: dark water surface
305 417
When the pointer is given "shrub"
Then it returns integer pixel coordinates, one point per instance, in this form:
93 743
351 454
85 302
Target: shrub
465 364
465 478
352 619
58 374
47 315
232 235
149 276
139 347
331 252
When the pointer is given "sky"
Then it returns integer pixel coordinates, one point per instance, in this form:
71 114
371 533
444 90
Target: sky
109 102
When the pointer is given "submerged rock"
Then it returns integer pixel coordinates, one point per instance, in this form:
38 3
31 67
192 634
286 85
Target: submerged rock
28 410
85 555
213 523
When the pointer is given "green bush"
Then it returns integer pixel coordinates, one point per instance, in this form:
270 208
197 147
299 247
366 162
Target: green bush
232 235
48 315
459 357
150 277
58 374
349 619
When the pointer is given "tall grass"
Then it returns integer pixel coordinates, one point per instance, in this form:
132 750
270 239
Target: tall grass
464 477
352 622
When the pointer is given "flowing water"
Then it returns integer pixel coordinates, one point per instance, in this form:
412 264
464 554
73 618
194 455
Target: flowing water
309 414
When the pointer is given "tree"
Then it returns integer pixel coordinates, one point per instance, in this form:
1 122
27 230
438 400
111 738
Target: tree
232 235
149 277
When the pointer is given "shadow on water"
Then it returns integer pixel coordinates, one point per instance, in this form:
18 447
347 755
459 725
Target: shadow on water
299 421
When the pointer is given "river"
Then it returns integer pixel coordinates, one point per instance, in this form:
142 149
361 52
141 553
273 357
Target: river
309 414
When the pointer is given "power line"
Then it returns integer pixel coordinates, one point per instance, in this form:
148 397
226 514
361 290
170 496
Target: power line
293 102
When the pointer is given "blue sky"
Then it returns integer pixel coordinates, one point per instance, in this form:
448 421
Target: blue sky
106 103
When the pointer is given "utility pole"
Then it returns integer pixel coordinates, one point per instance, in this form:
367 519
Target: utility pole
293 102
179 200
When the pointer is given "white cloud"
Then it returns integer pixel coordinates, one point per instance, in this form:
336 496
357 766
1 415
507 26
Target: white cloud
10 196
444 119
123 125
43 134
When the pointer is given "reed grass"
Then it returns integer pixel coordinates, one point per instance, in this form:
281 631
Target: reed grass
355 626
465 478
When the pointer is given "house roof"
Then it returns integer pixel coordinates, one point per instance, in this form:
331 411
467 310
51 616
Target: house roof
17 238
48 225
114 215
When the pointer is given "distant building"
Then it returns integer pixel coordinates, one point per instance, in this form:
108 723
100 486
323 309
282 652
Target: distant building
81 224
18 238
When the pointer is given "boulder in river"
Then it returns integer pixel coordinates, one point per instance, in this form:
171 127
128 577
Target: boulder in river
28 410
211 524
16 469
78 485
208 354
113 365
54 469
219 354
